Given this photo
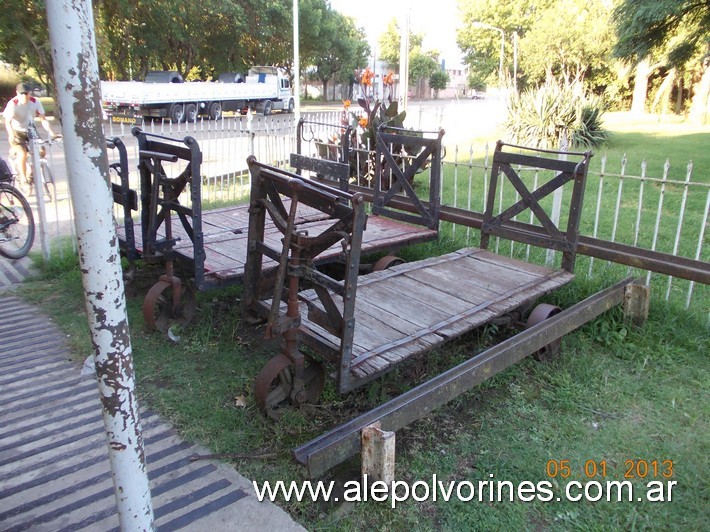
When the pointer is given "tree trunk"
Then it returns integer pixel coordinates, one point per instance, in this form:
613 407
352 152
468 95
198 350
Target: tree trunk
643 71
325 91
664 92
679 96
698 113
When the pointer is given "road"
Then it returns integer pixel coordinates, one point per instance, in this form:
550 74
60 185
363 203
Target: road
463 120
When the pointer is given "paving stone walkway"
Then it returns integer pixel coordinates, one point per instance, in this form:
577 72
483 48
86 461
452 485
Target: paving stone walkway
54 468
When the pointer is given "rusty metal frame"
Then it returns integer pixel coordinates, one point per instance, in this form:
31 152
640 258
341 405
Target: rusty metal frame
125 196
427 149
326 170
346 135
298 252
343 442
159 198
497 225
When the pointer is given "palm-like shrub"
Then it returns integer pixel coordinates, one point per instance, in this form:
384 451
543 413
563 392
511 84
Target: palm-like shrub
544 116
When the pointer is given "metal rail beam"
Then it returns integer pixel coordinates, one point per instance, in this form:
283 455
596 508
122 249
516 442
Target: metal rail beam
339 444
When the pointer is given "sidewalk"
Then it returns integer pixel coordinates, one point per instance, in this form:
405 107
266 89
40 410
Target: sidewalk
54 469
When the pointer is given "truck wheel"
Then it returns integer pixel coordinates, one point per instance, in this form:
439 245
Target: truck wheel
267 107
291 105
215 111
191 112
177 113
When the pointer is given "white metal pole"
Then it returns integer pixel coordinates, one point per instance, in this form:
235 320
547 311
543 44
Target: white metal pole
515 62
39 191
296 64
404 60
557 200
71 32
500 65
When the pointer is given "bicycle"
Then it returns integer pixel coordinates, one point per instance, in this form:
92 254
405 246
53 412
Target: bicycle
17 225
46 175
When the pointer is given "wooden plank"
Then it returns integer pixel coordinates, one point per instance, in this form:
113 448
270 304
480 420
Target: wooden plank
513 264
472 289
373 327
372 330
518 296
390 300
369 331
497 270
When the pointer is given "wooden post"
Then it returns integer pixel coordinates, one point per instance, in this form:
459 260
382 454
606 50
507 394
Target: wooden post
378 453
636 299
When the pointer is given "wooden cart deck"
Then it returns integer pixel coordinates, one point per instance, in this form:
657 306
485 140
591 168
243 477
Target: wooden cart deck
444 297
225 232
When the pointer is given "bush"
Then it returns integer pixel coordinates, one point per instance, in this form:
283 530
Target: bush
438 81
8 81
542 117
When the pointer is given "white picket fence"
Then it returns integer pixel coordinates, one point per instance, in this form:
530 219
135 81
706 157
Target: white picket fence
653 208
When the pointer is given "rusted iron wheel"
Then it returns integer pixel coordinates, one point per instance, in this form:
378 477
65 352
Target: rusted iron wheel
387 262
160 311
540 313
273 386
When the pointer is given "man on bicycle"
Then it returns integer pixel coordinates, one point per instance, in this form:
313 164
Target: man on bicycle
19 112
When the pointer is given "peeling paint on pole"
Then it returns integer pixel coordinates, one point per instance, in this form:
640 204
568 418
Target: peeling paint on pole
71 31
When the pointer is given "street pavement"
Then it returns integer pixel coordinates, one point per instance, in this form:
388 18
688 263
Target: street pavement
54 468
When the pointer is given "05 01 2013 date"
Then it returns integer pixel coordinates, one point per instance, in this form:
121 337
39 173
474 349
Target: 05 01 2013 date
633 468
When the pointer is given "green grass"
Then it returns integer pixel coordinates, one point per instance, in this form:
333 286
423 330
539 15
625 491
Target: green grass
615 394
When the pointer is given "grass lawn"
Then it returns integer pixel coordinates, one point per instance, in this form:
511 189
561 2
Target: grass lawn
616 396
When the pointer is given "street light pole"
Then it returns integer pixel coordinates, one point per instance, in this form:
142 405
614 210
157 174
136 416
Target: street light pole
502 50
515 61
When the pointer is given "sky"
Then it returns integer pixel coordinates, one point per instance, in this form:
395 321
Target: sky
435 19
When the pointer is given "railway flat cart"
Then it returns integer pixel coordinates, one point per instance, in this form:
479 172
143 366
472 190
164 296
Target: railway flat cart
211 244
363 326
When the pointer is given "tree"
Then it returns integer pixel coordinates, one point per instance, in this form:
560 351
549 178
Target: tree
481 45
195 39
438 81
422 64
342 48
24 38
569 40
676 29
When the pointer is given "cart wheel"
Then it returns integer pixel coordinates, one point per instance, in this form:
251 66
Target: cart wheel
540 313
159 309
274 384
387 262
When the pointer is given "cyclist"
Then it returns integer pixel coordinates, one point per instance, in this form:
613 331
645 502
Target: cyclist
19 112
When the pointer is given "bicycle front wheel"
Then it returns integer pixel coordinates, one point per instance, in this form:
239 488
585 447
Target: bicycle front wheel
17 225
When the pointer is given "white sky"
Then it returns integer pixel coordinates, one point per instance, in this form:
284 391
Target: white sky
436 19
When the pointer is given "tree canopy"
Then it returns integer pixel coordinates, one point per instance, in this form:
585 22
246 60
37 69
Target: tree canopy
422 63
642 26
200 40
343 49
677 34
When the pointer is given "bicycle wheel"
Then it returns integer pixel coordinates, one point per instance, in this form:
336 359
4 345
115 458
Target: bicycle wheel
17 225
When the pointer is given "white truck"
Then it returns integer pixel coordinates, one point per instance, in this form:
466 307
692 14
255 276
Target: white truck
165 95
